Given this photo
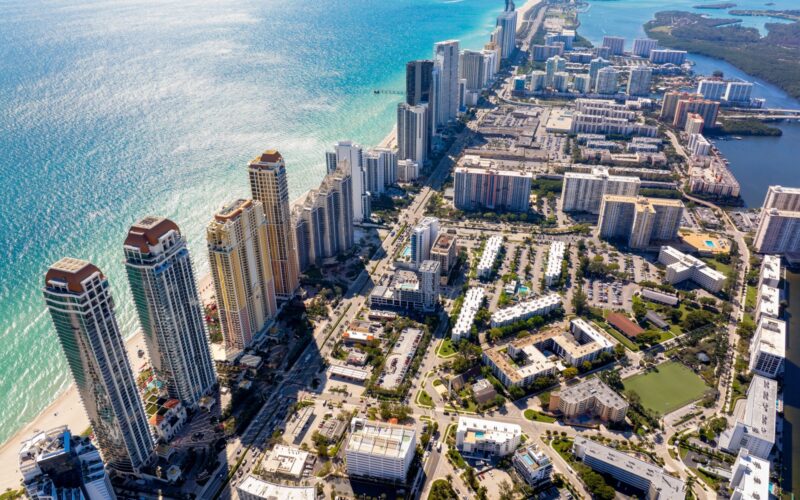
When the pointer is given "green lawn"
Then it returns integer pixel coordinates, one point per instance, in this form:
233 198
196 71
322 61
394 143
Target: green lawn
750 298
719 266
424 399
671 387
538 417
445 349
622 339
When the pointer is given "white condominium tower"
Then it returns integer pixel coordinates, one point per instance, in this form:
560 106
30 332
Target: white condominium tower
412 132
639 81
238 252
164 290
584 192
422 237
507 21
445 59
639 220
269 185
779 228
349 156
80 303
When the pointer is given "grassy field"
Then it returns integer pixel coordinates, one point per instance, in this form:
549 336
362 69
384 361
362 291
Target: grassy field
538 417
667 389
445 349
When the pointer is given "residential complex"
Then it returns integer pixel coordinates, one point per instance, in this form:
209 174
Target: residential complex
444 251
519 363
555 259
749 477
770 273
583 192
409 289
253 488
58 464
412 132
269 186
682 267
162 281
754 425
445 78
768 347
584 343
380 451
422 237
349 157
523 310
768 302
532 465
489 256
652 480
488 187
79 298
639 221
473 300
507 22
486 438
243 282
590 397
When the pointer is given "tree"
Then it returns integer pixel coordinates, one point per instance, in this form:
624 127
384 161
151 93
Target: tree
570 373
613 379
579 301
639 309
506 491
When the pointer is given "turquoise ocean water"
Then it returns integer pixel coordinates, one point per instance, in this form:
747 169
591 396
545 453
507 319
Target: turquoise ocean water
113 110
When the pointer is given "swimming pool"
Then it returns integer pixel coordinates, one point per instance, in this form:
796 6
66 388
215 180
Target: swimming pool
710 244
407 251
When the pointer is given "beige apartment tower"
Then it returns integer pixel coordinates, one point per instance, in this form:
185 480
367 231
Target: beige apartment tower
238 252
270 187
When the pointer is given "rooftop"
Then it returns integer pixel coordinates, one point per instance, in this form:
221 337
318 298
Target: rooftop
759 414
286 461
380 439
147 231
232 210
263 489
71 272
593 388
772 338
624 324
476 429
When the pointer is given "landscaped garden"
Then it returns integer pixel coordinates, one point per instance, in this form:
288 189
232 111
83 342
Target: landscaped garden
668 387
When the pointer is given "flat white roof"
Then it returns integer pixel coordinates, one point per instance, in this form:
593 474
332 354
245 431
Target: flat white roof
286 460
527 307
490 252
263 489
759 415
753 476
772 338
469 308
490 430
554 258
769 300
380 439
771 268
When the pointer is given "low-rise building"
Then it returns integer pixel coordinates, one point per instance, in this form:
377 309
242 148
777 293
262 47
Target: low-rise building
167 419
555 257
379 450
490 251
590 397
682 267
361 332
285 461
650 479
768 347
754 426
525 310
486 438
749 478
58 464
253 488
519 363
469 308
623 324
584 343
532 465
665 298
483 391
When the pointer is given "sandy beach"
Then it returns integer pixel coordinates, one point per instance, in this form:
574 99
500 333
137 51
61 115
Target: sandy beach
523 10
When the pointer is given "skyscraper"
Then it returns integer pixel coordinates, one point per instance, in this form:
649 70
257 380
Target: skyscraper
446 89
238 253
583 192
639 81
80 303
412 138
381 168
639 220
473 68
269 186
554 65
607 81
350 157
779 227
643 46
422 237
164 290
507 21
594 67
419 81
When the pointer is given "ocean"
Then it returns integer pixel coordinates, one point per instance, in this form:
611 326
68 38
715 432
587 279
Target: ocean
110 111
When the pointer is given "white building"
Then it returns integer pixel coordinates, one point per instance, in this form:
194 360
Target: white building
639 81
285 461
380 451
754 426
585 343
253 488
507 21
607 81
643 46
407 170
58 464
350 157
698 145
768 347
712 89
489 256
681 267
486 438
469 308
412 132
651 479
422 237
528 309
738 92
555 257
667 56
749 478
778 232
768 304
520 364
583 192
532 465
770 273
446 95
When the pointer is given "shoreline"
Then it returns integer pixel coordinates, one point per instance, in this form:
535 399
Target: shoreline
528 5
67 408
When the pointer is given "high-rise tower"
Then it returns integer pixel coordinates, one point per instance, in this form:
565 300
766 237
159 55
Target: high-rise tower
238 253
80 303
269 186
164 289
446 88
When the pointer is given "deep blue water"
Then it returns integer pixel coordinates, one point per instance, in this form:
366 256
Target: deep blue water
113 110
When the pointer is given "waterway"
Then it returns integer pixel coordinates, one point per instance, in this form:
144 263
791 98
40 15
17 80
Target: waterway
791 396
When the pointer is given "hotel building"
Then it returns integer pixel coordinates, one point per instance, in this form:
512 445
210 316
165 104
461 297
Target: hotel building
82 309
243 284
164 290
